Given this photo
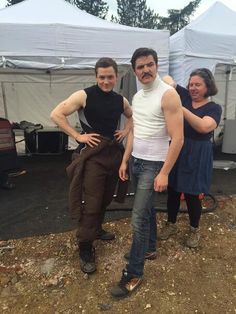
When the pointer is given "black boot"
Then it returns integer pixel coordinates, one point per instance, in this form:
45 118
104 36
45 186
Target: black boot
4 183
87 257
7 186
105 235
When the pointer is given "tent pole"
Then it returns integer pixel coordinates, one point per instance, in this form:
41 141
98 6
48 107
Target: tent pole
4 100
226 91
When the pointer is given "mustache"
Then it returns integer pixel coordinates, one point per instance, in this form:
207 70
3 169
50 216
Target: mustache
146 75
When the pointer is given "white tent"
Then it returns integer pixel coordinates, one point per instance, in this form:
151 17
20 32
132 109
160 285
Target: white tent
209 41
49 48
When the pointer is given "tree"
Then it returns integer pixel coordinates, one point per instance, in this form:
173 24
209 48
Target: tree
135 13
95 7
177 19
11 2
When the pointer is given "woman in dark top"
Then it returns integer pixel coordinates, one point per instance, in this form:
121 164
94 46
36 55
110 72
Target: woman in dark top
191 174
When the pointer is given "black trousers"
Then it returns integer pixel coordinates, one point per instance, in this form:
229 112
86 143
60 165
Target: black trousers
194 207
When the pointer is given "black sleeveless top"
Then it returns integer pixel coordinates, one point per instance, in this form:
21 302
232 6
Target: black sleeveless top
102 111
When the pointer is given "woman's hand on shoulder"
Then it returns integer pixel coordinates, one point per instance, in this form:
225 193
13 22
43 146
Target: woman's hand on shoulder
169 80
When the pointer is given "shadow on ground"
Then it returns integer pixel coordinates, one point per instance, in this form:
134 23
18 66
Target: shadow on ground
38 205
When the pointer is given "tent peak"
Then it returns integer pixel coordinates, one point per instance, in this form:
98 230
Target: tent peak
214 15
51 12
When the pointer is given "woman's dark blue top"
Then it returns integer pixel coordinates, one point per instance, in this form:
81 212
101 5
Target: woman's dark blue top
193 169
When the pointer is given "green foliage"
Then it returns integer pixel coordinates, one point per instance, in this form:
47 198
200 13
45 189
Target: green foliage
135 13
95 7
177 19
11 2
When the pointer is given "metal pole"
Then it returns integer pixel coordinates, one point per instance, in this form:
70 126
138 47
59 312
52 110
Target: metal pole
4 100
226 91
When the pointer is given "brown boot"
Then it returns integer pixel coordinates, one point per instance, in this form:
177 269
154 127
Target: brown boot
168 230
193 238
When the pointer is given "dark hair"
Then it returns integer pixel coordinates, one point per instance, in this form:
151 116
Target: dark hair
143 52
208 79
106 63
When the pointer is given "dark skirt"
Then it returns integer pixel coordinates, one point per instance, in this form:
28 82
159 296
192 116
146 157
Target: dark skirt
192 171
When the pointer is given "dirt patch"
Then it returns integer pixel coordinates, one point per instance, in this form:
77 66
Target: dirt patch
41 274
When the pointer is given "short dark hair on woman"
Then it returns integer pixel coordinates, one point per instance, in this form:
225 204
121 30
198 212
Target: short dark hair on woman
106 63
208 79
143 52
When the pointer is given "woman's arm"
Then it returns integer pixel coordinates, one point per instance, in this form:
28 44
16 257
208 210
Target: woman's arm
203 125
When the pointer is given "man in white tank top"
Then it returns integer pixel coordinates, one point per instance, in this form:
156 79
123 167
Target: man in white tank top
158 118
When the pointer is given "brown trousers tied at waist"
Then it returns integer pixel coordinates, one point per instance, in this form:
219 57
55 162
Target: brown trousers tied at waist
99 183
93 176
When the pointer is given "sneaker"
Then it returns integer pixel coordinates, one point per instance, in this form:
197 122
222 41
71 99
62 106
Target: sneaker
169 230
87 258
148 255
194 238
126 285
105 235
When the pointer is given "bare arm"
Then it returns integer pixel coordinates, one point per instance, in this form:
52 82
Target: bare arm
128 150
67 107
201 125
172 109
121 134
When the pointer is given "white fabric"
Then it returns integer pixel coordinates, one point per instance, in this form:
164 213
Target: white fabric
56 34
154 149
209 41
49 48
151 139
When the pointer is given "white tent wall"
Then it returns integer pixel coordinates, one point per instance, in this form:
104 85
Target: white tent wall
225 76
32 95
210 42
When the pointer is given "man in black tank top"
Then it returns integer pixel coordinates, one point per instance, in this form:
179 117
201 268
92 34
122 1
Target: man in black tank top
94 171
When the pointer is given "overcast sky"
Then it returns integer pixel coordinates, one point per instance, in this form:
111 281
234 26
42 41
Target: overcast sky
161 6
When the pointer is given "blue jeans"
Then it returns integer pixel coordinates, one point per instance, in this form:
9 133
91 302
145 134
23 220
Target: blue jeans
143 219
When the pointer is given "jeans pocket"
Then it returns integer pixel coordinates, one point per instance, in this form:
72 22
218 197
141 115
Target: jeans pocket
137 166
159 165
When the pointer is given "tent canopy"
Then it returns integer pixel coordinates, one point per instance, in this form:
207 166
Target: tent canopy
207 41
49 48
56 34
210 42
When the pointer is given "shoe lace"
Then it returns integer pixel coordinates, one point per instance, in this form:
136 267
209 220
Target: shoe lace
124 279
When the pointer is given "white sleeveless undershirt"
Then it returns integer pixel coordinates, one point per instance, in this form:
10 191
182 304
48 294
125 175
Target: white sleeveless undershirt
151 139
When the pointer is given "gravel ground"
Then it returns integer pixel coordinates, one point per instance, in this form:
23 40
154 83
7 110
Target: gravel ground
41 274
